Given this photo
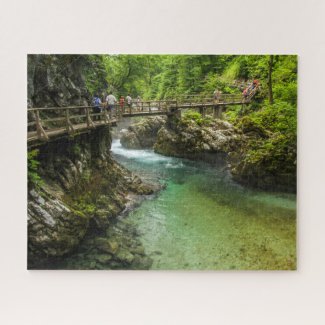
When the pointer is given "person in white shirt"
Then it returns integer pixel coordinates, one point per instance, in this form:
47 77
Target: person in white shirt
129 102
111 101
138 103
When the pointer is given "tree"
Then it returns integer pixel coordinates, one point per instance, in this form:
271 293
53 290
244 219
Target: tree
269 79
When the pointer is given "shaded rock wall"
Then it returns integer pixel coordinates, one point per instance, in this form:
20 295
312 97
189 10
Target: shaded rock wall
82 191
56 80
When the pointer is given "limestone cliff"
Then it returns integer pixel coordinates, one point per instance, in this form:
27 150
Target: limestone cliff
142 134
196 138
81 192
75 188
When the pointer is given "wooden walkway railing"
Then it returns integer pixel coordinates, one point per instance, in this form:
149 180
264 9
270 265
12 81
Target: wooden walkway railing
44 123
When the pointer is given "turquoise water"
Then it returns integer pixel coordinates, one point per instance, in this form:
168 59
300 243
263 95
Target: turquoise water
203 220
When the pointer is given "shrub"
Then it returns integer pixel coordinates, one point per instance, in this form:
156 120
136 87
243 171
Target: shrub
32 163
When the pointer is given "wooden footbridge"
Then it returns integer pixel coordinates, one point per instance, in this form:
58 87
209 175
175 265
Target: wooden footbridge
52 122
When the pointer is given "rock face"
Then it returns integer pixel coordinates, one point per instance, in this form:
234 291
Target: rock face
264 159
190 140
78 190
143 134
56 80
82 191
218 140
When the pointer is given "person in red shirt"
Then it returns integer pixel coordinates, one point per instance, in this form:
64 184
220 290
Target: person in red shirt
255 83
122 104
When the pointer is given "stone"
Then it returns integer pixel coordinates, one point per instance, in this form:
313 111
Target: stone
125 256
106 245
142 134
103 258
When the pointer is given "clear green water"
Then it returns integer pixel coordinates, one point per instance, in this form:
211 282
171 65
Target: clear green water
203 220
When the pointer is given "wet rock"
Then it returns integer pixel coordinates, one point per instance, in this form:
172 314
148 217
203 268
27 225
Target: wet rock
106 245
189 139
125 256
103 258
142 263
142 134
53 228
138 250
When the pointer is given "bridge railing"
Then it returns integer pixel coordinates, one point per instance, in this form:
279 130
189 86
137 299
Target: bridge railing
149 106
191 100
48 120
41 121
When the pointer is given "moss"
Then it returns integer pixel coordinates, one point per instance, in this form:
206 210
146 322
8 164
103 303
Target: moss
34 179
191 115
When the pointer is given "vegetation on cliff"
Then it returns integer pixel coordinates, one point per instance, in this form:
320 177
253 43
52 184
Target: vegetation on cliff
269 123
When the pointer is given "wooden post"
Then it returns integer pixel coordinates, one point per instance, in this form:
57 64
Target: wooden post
120 111
159 105
220 112
39 128
106 117
90 123
149 107
69 125
215 111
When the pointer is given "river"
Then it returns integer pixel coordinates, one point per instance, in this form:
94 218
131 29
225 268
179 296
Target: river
202 220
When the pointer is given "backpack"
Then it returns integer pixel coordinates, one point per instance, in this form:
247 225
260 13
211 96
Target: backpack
96 102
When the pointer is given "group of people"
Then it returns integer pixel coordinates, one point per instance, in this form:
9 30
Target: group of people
110 102
250 88
217 95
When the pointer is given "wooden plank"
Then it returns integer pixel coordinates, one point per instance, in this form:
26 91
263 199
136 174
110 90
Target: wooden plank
69 125
41 134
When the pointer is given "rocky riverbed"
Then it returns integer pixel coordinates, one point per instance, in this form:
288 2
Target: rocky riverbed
73 210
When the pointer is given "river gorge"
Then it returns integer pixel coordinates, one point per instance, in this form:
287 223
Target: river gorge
203 220
196 217
184 190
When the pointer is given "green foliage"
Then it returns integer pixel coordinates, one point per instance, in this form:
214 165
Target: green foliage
274 139
191 115
95 74
276 154
85 206
76 149
32 164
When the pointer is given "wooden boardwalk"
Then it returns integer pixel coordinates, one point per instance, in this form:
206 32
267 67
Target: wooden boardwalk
49 123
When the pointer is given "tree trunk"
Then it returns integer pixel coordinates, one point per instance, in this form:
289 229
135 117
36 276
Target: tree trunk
270 79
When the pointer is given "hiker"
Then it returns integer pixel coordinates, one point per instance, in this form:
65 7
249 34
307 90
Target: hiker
97 107
111 101
129 102
138 103
246 92
255 83
122 104
216 95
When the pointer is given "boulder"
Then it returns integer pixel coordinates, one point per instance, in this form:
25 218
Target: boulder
142 134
